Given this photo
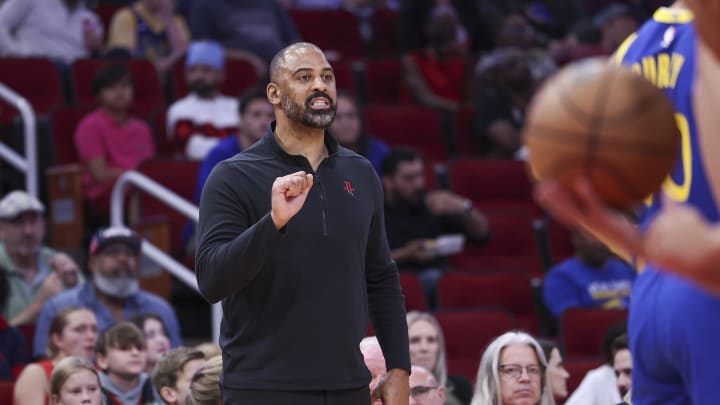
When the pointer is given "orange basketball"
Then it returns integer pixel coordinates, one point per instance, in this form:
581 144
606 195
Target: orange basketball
606 123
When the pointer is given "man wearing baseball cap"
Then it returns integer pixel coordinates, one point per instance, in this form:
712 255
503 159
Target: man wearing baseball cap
197 122
114 293
35 272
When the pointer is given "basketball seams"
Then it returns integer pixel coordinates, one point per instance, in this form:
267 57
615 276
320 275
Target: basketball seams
559 136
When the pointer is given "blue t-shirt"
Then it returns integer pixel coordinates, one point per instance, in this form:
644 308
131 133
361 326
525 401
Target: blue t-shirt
573 284
13 350
375 151
225 149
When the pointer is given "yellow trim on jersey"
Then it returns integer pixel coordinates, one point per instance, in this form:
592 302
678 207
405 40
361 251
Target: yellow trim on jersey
669 15
623 48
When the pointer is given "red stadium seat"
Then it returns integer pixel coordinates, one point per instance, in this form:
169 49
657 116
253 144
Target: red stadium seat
385 33
28 332
415 126
106 12
413 291
37 80
64 121
344 76
331 30
494 186
164 147
578 368
583 329
561 247
7 389
509 290
178 176
464 133
467 333
240 75
385 81
512 246
148 92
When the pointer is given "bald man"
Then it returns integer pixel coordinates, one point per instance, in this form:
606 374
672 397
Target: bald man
424 388
292 240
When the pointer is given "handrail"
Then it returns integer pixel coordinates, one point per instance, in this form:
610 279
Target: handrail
28 165
174 201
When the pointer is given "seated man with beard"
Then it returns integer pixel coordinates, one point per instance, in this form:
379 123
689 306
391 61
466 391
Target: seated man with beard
414 217
114 294
197 122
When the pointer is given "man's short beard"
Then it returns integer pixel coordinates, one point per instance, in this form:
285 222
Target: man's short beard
308 116
203 89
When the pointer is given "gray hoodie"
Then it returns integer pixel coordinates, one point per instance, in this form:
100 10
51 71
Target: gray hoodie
131 397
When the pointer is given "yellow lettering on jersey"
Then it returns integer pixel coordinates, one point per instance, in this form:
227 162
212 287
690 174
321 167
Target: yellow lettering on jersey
677 62
636 68
681 192
663 71
649 69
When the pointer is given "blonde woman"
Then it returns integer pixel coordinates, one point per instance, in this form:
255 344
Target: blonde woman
205 384
513 372
73 332
75 381
427 349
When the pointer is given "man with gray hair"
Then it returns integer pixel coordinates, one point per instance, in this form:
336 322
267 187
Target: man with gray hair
35 272
424 388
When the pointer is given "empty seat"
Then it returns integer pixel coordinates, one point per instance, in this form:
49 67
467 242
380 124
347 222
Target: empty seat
64 121
148 94
418 127
385 33
583 329
240 75
413 291
178 176
498 186
7 392
509 290
467 333
344 75
464 133
37 80
385 81
331 30
512 246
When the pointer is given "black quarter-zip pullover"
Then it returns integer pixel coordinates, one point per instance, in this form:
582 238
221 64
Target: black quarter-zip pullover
296 301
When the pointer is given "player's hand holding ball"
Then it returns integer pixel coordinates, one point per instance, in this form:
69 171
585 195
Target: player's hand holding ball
288 196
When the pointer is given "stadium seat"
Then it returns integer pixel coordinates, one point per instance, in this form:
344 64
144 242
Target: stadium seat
64 121
7 389
416 126
578 368
467 333
344 76
512 246
178 176
508 290
385 81
106 12
464 133
582 330
37 80
413 291
331 30
164 147
240 75
148 92
494 186
385 33
561 247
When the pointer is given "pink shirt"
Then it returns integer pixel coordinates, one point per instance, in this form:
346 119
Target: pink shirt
123 145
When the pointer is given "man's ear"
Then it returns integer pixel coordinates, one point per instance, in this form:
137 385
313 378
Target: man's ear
441 393
274 94
101 361
168 395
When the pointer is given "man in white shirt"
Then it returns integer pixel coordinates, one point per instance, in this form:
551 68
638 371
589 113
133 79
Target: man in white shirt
197 122
63 30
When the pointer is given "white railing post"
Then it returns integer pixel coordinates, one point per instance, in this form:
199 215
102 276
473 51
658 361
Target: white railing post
146 184
28 165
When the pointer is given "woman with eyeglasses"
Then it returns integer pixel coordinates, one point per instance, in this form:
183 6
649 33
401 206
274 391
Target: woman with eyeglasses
512 372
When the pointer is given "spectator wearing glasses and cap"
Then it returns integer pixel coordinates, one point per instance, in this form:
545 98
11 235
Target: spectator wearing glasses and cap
197 122
114 294
35 272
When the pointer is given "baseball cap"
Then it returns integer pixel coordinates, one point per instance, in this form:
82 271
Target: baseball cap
209 53
114 234
17 202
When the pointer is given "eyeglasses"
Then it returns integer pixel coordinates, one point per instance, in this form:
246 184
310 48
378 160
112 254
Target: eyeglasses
420 391
515 370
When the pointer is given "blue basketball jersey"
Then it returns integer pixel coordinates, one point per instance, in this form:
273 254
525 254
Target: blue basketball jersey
663 51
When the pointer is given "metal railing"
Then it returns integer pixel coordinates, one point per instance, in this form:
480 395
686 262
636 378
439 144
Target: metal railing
28 164
161 258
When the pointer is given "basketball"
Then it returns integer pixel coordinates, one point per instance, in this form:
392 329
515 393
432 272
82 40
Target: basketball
606 123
